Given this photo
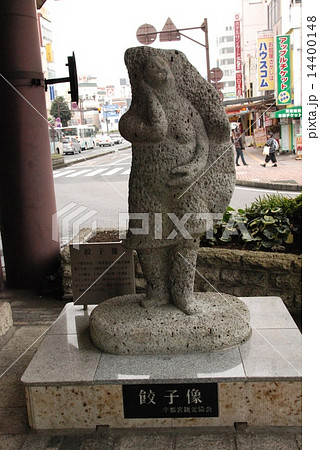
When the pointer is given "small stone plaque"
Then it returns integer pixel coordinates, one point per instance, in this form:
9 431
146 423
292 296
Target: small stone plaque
144 401
101 271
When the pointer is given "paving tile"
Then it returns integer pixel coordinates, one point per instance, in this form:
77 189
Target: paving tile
91 442
144 441
42 442
14 421
12 442
12 395
267 441
206 442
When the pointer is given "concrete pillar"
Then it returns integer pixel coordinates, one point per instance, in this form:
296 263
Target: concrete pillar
27 199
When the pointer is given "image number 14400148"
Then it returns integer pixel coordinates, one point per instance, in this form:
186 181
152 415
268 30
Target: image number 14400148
170 400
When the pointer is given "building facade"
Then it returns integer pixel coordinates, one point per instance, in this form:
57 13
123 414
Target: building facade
226 62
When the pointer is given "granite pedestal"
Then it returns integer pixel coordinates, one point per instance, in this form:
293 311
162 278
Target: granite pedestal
70 384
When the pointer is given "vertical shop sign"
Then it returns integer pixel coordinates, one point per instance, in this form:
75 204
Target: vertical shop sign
49 53
283 68
237 40
239 84
265 60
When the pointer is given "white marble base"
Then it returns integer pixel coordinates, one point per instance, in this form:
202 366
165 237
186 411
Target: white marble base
70 384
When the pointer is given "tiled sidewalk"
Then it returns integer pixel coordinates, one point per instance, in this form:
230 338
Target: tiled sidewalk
288 173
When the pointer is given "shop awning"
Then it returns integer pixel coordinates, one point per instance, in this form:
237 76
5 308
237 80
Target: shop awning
292 112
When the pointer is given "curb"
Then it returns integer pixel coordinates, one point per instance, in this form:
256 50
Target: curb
75 161
269 185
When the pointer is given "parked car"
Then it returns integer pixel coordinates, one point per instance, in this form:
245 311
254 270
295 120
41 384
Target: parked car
117 139
104 141
71 145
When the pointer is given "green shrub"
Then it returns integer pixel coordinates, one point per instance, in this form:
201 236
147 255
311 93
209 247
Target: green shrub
272 222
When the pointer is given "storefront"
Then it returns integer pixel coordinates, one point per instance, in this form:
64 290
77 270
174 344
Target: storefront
290 122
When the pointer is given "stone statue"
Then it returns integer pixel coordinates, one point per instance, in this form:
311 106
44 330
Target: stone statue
182 175
182 169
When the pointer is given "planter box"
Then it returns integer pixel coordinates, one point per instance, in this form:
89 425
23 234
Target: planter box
58 162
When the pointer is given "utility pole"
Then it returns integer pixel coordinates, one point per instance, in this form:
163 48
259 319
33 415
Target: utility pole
27 198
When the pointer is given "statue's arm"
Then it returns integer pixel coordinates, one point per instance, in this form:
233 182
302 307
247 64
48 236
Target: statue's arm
187 173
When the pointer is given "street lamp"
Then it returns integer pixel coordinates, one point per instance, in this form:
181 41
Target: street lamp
147 34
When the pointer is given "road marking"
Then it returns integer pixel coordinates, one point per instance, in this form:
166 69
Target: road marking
126 172
95 172
57 175
78 173
113 171
120 160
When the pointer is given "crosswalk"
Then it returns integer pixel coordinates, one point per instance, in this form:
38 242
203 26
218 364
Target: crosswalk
91 172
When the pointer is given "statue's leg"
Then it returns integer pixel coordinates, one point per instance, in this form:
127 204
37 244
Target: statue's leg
183 265
155 267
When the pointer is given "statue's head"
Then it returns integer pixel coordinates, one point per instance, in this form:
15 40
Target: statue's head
152 65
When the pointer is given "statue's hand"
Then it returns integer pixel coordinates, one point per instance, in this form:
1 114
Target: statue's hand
180 175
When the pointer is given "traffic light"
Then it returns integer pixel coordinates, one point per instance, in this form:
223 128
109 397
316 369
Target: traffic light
73 78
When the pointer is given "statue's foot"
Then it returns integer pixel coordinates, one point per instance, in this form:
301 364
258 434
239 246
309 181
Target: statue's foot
188 305
153 302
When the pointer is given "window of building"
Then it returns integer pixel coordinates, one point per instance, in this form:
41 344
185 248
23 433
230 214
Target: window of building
226 39
273 13
229 84
228 73
226 62
46 34
223 51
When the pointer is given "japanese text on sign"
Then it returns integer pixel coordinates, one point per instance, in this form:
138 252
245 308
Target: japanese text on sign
283 70
160 401
265 61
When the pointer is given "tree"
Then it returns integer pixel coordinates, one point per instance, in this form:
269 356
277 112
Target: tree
60 108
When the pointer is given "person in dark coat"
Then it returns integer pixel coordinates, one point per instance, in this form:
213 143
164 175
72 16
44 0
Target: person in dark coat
238 143
271 143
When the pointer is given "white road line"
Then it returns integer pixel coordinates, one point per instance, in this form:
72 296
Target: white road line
95 172
113 171
57 175
78 173
126 172
120 160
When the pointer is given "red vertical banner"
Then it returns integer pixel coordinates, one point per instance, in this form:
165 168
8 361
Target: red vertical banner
239 84
237 51
237 43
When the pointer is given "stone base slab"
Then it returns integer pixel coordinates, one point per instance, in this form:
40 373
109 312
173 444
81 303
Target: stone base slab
121 326
86 407
70 384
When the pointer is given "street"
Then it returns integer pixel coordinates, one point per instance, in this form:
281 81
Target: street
93 193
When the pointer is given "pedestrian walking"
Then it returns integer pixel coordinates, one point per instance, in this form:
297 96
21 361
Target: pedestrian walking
238 143
272 144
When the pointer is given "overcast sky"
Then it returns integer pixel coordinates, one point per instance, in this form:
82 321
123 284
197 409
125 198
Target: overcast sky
99 31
